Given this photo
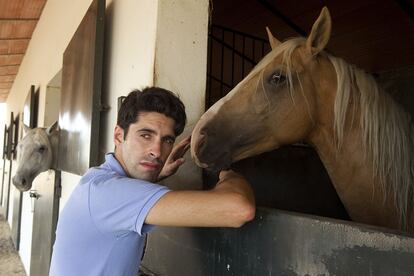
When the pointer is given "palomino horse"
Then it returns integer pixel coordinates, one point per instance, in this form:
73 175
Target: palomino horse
36 154
298 92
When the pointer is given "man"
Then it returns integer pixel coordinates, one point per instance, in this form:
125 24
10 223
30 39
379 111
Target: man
101 229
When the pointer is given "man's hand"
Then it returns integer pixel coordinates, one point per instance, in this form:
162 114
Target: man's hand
175 159
228 174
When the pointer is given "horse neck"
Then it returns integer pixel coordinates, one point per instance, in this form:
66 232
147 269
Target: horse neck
353 178
351 171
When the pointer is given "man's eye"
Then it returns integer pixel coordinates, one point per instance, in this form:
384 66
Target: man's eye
169 141
145 136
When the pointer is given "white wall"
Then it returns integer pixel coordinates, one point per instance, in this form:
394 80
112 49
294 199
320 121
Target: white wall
3 108
181 66
41 62
181 52
137 54
129 55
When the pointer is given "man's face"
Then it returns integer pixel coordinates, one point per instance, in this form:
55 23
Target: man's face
144 150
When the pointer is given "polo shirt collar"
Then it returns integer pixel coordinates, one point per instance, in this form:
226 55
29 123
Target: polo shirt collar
113 164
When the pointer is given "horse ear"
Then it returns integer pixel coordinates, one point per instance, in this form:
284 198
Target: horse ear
274 42
26 129
54 127
321 31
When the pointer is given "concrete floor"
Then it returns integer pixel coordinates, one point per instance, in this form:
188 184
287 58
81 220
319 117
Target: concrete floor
10 263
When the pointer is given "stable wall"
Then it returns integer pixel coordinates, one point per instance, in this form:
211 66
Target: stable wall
136 32
280 243
181 66
41 62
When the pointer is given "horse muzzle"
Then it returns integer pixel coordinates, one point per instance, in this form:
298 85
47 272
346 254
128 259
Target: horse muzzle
208 152
22 183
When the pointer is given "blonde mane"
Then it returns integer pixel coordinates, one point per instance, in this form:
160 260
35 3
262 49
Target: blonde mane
386 129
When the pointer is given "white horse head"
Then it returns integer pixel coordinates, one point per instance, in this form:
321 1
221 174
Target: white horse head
35 154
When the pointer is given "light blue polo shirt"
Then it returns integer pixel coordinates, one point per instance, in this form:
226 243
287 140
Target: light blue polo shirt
101 229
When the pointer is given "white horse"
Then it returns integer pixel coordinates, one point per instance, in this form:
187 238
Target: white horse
37 152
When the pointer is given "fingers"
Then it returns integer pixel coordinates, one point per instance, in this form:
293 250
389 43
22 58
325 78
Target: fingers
185 141
226 174
173 167
181 148
179 162
185 149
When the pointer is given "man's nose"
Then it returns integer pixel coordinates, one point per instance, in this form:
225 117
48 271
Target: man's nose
155 150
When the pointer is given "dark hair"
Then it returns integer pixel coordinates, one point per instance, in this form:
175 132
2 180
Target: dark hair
151 99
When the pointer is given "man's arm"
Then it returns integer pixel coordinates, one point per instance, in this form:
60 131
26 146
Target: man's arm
230 204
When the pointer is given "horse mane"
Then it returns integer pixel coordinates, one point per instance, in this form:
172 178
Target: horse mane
387 131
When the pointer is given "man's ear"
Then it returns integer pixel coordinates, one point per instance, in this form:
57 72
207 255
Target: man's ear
118 135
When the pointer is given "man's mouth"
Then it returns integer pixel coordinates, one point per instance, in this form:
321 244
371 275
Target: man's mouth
150 165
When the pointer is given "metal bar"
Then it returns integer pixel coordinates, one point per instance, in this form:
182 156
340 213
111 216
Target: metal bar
253 50
239 33
222 59
209 72
218 34
219 81
277 13
236 52
243 49
232 60
4 163
262 49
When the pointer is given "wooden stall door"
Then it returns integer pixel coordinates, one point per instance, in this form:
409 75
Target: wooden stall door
45 203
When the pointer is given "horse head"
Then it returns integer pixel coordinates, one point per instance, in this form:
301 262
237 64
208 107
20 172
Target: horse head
35 154
298 92
275 104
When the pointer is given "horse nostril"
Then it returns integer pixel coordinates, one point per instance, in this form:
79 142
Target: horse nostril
23 181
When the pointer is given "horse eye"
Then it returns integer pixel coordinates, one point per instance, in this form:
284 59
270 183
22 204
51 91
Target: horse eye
277 78
41 149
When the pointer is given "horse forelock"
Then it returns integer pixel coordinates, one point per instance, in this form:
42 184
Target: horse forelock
386 130
38 136
35 138
285 51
